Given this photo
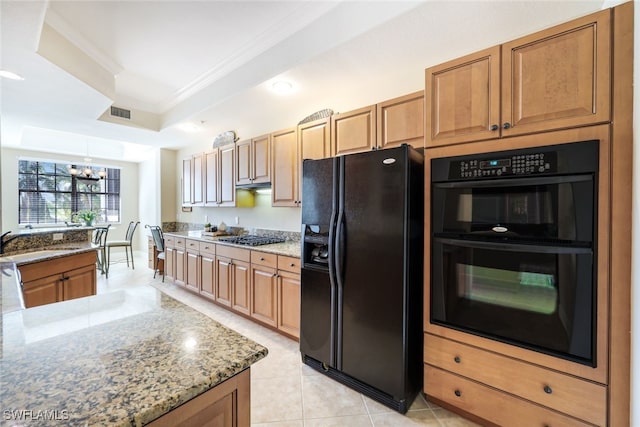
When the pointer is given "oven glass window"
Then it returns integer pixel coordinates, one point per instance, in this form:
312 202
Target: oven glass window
522 290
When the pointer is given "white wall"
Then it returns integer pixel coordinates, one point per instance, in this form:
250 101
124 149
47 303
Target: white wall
9 170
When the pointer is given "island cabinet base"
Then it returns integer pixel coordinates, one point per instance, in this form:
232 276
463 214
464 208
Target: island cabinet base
226 405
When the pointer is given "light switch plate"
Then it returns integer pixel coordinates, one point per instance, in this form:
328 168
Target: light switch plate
58 236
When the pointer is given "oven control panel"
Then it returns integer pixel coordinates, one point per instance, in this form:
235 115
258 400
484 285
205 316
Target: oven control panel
518 164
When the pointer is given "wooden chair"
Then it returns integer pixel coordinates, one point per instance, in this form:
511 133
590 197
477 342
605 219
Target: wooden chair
126 244
158 240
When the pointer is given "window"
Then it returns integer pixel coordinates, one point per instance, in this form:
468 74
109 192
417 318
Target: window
49 194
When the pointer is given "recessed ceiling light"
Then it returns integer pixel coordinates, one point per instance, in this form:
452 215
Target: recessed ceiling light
189 127
282 87
9 75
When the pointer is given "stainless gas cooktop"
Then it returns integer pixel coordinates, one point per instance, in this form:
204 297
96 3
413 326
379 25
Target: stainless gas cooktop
251 240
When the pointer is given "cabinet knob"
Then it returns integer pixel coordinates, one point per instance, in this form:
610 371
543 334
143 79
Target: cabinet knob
456 359
547 389
261 259
494 127
506 125
292 265
457 393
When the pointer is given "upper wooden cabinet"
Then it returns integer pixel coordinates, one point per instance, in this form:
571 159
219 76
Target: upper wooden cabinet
186 181
354 131
253 161
401 121
314 139
219 179
554 79
285 182
212 178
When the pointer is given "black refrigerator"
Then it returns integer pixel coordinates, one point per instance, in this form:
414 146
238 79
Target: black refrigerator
362 268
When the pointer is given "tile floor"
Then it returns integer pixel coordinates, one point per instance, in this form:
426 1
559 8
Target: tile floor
284 392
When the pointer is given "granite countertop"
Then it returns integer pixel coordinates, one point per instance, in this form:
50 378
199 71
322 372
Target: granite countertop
287 248
46 253
121 358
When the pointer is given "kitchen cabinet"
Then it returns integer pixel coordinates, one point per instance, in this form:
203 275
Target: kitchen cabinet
186 181
193 265
152 254
219 172
401 121
59 279
354 131
288 284
232 278
207 270
285 187
175 253
553 79
253 161
264 288
314 140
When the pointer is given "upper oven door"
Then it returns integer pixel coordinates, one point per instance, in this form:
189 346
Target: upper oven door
547 209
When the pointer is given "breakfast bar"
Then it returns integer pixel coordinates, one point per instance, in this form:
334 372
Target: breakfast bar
125 358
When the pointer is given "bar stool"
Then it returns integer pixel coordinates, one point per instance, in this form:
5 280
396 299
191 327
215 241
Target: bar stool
99 241
158 240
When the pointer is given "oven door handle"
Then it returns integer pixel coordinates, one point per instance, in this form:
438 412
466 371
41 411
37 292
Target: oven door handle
515 247
511 182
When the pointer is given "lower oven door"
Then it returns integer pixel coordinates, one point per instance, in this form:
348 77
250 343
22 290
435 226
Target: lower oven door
537 297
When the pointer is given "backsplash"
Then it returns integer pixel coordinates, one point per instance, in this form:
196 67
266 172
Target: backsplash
37 239
187 226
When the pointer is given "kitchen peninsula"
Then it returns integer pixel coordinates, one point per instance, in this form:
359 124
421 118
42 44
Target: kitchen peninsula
124 358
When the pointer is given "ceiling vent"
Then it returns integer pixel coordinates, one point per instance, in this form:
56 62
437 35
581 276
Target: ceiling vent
121 112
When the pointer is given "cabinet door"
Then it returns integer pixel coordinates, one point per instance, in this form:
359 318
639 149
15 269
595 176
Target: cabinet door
261 155
264 295
243 162
558 78
314 139
241 287
227 175
354 132
186 182
207 276
401 121
180 269
463 99
42 291
192 279
78 283
197 173
284 147
224 278
289 303
170 261
211 178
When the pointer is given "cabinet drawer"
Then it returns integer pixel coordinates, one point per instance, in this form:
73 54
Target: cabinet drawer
579 398
288 263
169 241
488 403
192 245
180 242
263 258
233 253
207 248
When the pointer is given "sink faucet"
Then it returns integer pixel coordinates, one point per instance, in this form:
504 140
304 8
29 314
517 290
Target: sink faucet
3 241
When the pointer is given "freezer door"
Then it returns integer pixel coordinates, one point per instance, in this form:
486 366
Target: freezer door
317 316
371 264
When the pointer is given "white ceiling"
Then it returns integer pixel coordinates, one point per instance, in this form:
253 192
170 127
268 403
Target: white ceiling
211 63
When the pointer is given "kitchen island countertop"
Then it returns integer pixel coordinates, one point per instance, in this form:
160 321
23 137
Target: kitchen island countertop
121 358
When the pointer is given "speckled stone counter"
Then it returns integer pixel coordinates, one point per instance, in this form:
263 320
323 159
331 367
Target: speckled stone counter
288 248
122 358
46 253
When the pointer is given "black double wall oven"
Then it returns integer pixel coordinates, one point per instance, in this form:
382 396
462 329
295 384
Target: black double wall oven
514 247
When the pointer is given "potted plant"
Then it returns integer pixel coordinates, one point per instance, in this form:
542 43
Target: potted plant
87 217
207 227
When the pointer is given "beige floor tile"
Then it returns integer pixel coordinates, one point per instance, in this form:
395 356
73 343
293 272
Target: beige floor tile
324 397
275 399
349 421
450 419
277 364
423 417
296 423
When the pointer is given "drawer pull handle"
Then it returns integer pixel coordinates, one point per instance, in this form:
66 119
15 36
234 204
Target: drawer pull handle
456 359
547 389
457 393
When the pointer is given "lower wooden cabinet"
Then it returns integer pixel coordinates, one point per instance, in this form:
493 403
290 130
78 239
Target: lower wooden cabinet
224 278
289 303
59 279
264 291
208 273
227 404
545 390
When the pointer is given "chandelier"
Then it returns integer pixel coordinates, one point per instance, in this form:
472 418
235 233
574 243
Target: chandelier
86 174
